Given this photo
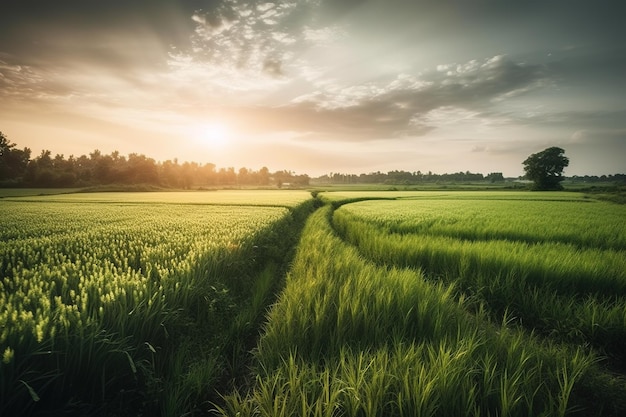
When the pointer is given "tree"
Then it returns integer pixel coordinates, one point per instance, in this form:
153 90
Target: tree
545 168
264 176
13 162
495 177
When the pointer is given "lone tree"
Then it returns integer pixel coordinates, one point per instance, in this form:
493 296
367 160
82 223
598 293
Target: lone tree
545 168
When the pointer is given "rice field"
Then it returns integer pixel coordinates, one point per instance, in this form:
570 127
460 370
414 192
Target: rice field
402 303
559 267
120 302
499 195
281 198
581 223
392 307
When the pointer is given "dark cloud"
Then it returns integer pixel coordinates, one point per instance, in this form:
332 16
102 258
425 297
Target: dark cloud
26 26
43 42
91 49
399 108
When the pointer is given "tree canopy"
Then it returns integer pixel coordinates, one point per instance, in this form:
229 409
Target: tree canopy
545 168
13 161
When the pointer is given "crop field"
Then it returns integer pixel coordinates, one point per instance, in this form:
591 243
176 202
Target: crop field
253 303
531 259
448 304
111 303
286 198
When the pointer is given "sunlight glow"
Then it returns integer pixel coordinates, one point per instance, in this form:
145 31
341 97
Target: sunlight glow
214 135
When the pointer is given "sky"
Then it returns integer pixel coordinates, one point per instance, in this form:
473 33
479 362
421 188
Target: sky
319 86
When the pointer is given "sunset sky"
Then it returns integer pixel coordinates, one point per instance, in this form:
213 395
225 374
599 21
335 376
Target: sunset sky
319 86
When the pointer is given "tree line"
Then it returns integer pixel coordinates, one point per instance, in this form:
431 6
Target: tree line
407 178
418 177
17 169
544 169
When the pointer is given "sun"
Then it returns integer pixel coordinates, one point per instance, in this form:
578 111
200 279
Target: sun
215 135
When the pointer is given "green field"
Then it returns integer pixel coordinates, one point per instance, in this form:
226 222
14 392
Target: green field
128 303
528 259
403 303
287 198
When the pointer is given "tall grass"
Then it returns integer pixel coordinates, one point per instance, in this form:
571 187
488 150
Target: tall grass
563 291
349 338
115 308
582 223
455 195
558 267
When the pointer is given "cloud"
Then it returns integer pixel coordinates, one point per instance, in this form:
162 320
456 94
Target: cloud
246 46
85 51
24 83
237 49
579 120
413 105
495 78
323 35
15 78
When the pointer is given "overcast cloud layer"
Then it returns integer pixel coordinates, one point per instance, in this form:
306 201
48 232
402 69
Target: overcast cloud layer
319 85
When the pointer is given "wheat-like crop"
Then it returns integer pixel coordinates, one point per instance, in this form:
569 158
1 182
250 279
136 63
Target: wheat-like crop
97 297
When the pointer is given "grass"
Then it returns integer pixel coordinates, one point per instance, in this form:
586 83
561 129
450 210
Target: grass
572 290
517 220
344 196
563 268
429 303
127 308
279 198
350 338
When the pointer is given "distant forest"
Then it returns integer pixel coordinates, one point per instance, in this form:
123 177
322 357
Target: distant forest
18 169
412 178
